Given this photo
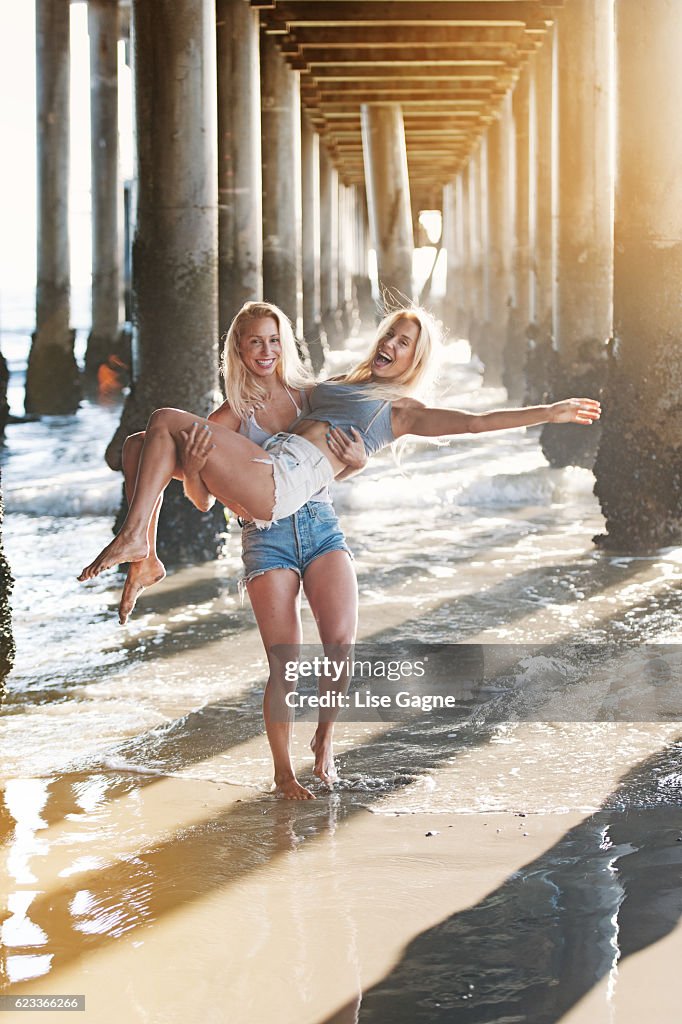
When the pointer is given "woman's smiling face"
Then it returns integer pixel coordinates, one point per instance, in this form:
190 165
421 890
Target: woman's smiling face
395 349
259 346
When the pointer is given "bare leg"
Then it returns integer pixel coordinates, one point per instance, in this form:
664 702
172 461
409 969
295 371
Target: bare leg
335 609
150 570
231 474
275 600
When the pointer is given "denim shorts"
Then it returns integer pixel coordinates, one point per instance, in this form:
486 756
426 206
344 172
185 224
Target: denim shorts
291 543
299 470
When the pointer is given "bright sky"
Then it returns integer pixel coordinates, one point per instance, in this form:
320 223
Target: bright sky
18 166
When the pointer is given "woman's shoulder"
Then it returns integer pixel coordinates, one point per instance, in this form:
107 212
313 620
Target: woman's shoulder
407 403
225 416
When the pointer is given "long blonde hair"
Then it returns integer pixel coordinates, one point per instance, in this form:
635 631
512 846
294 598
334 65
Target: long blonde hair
243 391
419 377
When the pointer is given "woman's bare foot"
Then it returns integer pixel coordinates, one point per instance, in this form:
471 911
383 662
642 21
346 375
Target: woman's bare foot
122 549
141 575
325 768
291 789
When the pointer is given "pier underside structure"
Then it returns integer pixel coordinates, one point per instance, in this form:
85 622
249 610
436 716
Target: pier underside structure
286 149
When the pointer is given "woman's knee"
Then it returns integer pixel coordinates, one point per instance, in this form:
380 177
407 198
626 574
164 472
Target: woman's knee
132 446
340 638
162 419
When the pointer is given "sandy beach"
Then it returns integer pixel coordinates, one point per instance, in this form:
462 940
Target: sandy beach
194 901
482 870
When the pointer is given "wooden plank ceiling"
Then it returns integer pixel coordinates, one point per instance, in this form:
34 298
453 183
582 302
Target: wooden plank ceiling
448 63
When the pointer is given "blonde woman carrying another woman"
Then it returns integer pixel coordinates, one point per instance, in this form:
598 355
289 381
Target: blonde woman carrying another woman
266 386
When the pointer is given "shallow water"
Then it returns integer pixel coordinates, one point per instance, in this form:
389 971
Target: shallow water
136 805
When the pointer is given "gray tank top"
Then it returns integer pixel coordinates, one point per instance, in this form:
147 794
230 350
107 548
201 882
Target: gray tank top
250 428
350 405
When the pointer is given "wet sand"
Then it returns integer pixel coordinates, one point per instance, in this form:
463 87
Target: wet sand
191 901
188 897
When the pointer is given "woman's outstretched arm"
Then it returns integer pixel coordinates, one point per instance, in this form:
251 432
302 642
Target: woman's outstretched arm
411 417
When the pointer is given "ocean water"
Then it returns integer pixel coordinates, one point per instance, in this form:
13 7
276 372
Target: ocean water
474 541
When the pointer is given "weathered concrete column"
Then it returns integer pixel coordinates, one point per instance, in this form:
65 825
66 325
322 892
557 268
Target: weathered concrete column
450 242
463 224
240 192
519 313
175 252
388 197
639 465
542 358
329 250
501 282
362 285
345 294
478 310
52 379
4 404
7 646
103 29
542 77
310 178
352 208
281 126
583 272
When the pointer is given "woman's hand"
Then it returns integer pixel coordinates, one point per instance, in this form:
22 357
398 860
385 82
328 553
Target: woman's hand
575 410
193 449
350 451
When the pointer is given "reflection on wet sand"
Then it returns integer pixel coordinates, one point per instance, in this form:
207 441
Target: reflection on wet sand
533 948
310 896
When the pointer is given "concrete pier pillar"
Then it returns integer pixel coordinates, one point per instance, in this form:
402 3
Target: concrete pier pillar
52 379
281 127
541 219
463 226
519 314
388 198
500 282
310 179
175 251
103 29
240 192
583 270
583 274
478 310
639 465
329 249
542 357
4 405
450 241
362 286
345 294
7 645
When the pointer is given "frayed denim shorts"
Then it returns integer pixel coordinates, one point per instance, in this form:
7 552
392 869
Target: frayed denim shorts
299 470
291 543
